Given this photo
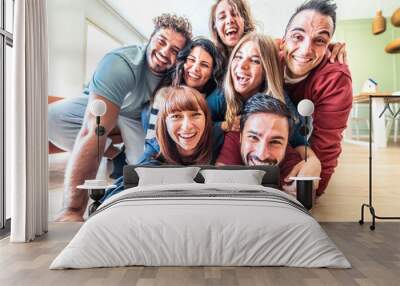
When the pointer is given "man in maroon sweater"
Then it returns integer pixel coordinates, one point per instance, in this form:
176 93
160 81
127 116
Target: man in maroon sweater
265 126
310 75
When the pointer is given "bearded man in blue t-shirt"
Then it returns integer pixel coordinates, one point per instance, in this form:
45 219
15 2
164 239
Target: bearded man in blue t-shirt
125 80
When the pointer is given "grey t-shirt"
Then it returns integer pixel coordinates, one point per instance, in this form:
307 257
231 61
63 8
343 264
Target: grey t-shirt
124 78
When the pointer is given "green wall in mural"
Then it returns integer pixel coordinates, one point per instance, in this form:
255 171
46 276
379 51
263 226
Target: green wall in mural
367 58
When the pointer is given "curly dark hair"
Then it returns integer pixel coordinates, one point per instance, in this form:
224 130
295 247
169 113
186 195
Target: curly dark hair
263 103
177 23
176 77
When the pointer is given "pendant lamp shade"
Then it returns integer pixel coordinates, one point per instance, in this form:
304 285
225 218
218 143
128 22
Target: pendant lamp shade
396 18
378 23
393 47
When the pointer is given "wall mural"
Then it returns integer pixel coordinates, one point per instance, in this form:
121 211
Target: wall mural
229 100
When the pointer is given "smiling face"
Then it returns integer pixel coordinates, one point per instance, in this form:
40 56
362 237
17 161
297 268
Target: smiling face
197 69
246 70
306 42
229 24
264 139
186 129
163 48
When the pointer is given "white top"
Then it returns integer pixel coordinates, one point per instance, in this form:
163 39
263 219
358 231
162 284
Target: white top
305 178
95 185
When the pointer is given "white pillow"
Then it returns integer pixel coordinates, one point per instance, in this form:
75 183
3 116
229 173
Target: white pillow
166 176
248 177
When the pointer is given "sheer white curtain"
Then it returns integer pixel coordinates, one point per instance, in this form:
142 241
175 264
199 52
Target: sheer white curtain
27 168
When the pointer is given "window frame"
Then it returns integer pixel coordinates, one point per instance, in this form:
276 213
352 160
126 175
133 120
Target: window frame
6 39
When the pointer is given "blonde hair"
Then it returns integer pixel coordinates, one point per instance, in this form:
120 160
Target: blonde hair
243 9
272 70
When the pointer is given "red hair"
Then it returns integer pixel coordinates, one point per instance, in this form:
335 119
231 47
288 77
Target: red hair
184 98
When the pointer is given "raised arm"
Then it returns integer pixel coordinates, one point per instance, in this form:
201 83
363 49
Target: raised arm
112 80
83 164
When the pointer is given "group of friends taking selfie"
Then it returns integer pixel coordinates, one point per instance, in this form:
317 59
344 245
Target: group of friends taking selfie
231 100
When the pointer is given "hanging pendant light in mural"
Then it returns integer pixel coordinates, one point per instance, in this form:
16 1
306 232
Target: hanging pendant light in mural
378 23
393 47
396 18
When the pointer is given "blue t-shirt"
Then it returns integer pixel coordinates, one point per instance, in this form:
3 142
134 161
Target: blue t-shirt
124 78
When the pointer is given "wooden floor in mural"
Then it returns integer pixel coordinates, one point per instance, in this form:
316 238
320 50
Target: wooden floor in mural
375 255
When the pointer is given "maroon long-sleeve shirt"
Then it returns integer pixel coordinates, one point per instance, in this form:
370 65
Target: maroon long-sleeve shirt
329 87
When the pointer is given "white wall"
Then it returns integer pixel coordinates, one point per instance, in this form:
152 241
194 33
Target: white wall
67 37
98 43
271 15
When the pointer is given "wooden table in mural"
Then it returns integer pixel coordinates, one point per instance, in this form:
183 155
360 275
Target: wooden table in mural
380 137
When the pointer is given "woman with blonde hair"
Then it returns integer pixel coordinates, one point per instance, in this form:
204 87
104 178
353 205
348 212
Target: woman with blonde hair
253 67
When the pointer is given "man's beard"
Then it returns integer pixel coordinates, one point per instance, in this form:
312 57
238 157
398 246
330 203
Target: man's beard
254 160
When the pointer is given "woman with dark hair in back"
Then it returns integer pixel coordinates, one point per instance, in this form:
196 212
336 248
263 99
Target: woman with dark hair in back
198 65
229 21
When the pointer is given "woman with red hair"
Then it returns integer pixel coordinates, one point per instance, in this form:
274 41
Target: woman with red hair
184 128
184 132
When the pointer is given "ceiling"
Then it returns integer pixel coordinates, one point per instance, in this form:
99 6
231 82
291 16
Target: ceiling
271 15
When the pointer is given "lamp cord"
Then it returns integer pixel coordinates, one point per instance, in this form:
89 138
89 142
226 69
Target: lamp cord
98 146
98 138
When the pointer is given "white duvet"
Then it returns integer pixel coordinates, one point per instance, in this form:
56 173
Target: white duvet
201 224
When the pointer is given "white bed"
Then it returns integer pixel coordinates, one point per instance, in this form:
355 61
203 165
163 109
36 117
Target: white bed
201 224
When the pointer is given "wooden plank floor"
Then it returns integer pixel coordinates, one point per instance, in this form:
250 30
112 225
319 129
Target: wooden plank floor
348 188
374 255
